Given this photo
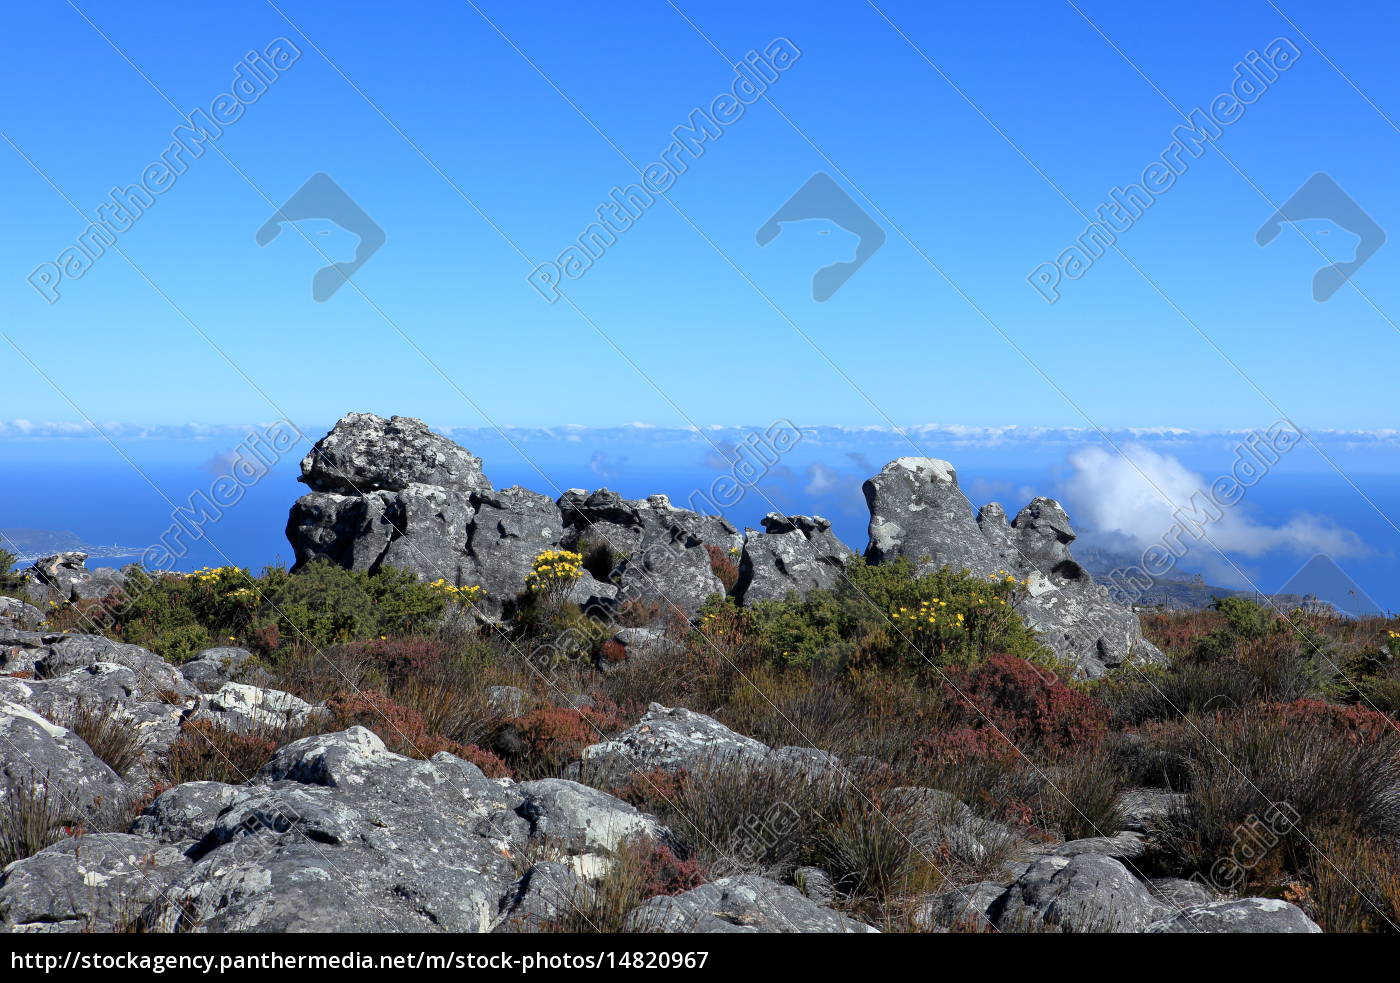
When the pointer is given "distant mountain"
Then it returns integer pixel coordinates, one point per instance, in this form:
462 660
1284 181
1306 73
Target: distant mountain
32 544
1188 592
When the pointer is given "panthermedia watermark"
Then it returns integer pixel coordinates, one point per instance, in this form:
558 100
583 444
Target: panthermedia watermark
253 76
1254 74
1321 198
321 198
822 198
624 207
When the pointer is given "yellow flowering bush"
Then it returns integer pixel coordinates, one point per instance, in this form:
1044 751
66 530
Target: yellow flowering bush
465 596
890 616
552 575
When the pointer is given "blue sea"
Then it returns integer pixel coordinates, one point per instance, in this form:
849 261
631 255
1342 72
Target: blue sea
83 487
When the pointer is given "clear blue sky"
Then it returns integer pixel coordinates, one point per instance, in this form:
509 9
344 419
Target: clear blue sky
713 320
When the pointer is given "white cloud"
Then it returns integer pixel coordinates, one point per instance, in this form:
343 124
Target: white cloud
1135 495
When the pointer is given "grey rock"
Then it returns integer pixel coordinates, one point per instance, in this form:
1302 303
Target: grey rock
578 819
99 882
740 904
338 834
546 892
1176 892
670 739
1142 808
647 643
239 707
1124 846
509 529
114 691
364 452
507 701
66 577
20 614
1085 893
1242 915
968 906
37 754
917 511
185 813
213 667
938 824
815 884
153 676
659 549
796 554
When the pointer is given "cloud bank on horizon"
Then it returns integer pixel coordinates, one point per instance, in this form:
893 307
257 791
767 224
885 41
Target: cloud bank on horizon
1131 499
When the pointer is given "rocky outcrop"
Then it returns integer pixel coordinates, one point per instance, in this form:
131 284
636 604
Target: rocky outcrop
98 882
66 577
1085 893
337 834
53 765
16 613
918 512
740 904
392 493
660 553
1241 915
795 554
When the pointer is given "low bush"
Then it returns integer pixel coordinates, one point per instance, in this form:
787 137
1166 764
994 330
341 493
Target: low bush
31 818
1259 781
176 615
640 869
207 752
107 731
887 617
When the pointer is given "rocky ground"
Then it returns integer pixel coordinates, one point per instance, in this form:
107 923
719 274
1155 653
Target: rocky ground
336 833
316 826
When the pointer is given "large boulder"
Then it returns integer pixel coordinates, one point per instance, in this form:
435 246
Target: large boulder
50 767
1084 893
661 554
99 882
1238 916
364 452
795 554
338 834
918 511
746 904
66 577
387 492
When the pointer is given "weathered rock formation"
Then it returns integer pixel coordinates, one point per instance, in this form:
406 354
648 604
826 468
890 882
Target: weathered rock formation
917 511
391 492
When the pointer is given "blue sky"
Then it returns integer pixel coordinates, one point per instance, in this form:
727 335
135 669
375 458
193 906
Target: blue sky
686 319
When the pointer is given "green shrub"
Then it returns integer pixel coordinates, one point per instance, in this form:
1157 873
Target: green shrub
177 615
887 617
10 579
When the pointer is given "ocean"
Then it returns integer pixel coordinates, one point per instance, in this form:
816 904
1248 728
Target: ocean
84 488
